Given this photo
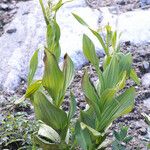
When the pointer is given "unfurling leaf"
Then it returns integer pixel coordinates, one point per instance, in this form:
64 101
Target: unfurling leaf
89 51
33 67
68 71
48 113
49 133
134 76
53 79
72 107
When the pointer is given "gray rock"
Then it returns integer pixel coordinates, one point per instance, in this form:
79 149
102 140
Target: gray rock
10 31
130 25
144 2
11 6
146 80
146 65
3 6
147 103
17 48
143 131
121 2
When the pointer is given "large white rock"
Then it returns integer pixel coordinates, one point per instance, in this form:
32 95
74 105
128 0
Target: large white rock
146 80
134 25
17 48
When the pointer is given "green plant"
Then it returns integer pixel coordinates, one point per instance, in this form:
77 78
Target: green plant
147 120
121 139
48 93
16 131
106 101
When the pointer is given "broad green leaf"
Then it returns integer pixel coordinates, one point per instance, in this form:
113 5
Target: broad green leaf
104 144
125 62
88 117
114 40
111 74
53 36
121 105
68 71
33 88
33 67
121 84
67 137
45 144
117 146
53 79
50 37
89 51
95 33
126 102
123 132
57 31
48 113
107 97
80 137
108 37
57 6
106 61
134 76
44 12
127 139
72 107
100 39
117 135
92 130
83 137
49 133
90 93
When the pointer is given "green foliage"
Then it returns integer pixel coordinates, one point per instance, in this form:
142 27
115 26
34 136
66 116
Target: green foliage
121 139
106 101
110 44
16 132
147 120
47 94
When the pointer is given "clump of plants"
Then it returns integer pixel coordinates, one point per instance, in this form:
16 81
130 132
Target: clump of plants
121 139
16 132
106 101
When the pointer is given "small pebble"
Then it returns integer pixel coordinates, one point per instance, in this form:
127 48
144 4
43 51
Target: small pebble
143 131
10 31
121 2
146 65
